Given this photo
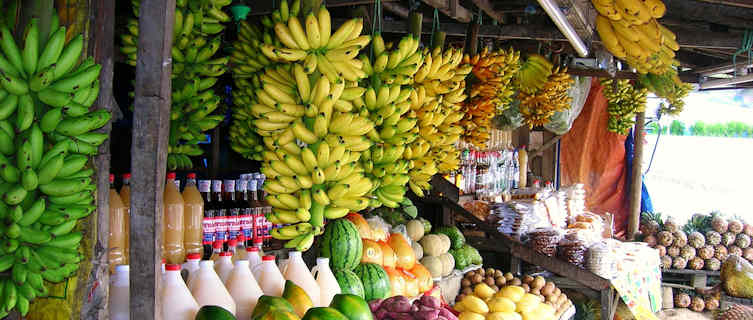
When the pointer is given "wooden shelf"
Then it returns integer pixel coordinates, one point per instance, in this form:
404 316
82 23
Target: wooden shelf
691 272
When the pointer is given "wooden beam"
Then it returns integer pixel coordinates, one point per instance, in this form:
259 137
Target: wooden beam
101 47
151 126
636 177
700 11
602 73
488 8
732 3
452 9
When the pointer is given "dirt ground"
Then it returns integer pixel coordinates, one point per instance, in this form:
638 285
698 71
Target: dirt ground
683 314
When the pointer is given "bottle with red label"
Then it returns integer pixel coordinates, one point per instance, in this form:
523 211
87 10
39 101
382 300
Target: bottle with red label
246 224
256 211
220 215
208 229
233 210
267 210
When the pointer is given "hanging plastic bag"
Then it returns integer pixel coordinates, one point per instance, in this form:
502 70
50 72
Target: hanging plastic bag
561 122
510 119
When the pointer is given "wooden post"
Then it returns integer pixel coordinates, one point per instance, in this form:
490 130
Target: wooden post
101 47
636 177
472 38
151 126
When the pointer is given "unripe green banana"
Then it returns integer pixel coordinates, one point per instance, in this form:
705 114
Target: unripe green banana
53 49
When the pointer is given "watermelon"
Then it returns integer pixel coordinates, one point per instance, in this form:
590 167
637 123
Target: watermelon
376 282
341 243
349 282
324 313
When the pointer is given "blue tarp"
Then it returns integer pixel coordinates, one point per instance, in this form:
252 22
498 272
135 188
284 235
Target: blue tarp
646 205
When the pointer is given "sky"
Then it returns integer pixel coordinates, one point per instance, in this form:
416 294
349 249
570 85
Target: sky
713 106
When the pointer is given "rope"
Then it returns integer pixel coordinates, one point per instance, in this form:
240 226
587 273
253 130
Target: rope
746 46
656 144
376 24
434 26
480 17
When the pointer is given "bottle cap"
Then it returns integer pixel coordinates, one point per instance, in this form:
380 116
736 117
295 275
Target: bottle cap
193 256
252 249
258 240
126 176
172 267
217 245
226 254
171 175
242 238
191 175
164 260
122 268
268 258
232 243
112 178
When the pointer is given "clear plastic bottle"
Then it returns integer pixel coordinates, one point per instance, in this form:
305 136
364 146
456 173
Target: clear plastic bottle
244 289
194 216
208 289
117 238
328 286
523 167
270 278
253 257
177 302
207 225
239 251
216 250
173 222
297 271
125 197
224 265
221 213
120 294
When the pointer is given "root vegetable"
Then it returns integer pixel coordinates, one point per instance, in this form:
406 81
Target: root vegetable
509 276
526 287
527 279
515 282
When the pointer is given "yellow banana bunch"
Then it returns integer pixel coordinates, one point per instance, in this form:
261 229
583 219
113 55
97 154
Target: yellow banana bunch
537 107
490 94
624 101
436 100
669 87
197 64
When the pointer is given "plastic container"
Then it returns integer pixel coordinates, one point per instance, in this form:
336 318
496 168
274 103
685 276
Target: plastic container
328 286
194 216
224 265
119 294
125 197
173 223
116 254
177 301
192 264
209 290
254 258
269 277
297 271
244 289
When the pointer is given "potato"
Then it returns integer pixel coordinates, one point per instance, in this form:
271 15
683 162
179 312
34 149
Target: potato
470 274
526 287
508 276
481 271
489 281
548 288
459 297
465 283
498 274
527 279
477 279
562 298
551 298
557 292
467 291
500 281
538 282
490 272
495 288
515 282
536 291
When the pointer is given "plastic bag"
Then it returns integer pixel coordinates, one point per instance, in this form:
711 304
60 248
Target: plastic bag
510 119
401 229
561 122
379 229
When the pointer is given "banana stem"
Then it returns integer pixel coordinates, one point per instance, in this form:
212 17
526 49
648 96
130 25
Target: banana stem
308 6
41 9
438 39
416 21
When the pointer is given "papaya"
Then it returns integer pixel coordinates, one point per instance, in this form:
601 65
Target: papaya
324 313
297 297
737 277
270 303
352 306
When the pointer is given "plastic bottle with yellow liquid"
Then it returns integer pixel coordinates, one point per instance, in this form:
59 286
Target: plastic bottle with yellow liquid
193 216
172 238
117 237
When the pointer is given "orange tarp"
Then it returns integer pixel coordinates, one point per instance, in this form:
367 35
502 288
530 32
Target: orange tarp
596 157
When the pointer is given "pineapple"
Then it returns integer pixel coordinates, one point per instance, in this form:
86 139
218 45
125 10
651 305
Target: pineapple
735 251
650 240
742 241
718 223
673 251
713 238
682 300
665 238
687 252
697 304
736 312
728 239
695 263
650 223
681 238
720 252
666 262
735 226
748 229
670 225
711 303
662 250
713 264
706 252
679 263
696 240
748 254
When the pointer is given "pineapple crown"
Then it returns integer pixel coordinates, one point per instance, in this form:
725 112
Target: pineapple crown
652 216
698 223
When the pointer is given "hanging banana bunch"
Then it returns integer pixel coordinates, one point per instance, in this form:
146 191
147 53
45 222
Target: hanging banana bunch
543 90
311 133
624 101
668 86
386 103
436 100
46 140
196 67
491 94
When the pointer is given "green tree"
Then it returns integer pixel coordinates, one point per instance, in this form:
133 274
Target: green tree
698 129
716 130
677 128
653 128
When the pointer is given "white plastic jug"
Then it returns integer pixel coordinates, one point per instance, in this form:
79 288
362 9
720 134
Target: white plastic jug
244 289
177 301
208 289
224 265
191 265
270 278
119 294
328 285
254 258
297 271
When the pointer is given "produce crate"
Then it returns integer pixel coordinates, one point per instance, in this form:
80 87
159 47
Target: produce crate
728 301
694 278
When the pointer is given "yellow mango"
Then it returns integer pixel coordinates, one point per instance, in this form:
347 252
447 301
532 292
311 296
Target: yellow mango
501 304
467 315
503 316
483 291
475 304
513 293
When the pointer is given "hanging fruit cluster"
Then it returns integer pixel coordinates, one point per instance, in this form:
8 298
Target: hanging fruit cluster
624 101
386 103
305 95
668 86
543 90
46 138
491 94
630 31
196 67
437 101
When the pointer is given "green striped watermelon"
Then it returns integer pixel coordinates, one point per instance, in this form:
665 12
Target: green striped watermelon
341 243
376 282
349 282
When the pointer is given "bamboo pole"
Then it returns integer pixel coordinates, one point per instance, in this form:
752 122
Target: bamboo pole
636 177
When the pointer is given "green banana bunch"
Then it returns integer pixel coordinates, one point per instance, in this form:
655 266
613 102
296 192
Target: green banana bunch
196 68
624 101
46 140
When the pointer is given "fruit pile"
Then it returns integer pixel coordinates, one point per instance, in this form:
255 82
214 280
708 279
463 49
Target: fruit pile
196 67
696 303
510 302
46 139
386 103
630 31
295 304
491 94
703 243
669 87
440 87
482 280
426 307
543 90
624 101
